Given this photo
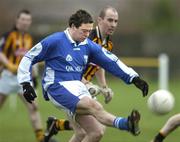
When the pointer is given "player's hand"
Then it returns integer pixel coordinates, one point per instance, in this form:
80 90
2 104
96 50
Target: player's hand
141 84
107 93
93 89
28 92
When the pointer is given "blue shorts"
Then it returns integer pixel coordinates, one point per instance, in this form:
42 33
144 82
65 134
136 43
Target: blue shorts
65 95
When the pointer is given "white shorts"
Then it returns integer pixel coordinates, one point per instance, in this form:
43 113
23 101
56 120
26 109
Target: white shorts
9 83
65 95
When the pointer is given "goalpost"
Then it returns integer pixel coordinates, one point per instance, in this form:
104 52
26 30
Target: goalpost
163 71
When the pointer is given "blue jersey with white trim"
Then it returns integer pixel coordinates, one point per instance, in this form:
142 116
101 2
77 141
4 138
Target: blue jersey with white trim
66 61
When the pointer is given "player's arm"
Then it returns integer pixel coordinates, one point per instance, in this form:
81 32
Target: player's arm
35 75
104 89
3 59
112 64
7 64
36 54
100 75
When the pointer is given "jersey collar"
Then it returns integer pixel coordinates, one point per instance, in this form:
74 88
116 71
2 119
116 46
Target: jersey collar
105 41
72 41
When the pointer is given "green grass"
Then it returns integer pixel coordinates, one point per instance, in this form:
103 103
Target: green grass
15 125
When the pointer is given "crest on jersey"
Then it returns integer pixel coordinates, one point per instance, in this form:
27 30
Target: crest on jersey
69 58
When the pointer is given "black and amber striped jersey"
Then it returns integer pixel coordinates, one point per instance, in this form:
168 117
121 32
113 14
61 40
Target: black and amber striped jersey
107 43
15 44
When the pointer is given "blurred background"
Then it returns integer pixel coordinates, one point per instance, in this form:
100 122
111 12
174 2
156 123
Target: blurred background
147 28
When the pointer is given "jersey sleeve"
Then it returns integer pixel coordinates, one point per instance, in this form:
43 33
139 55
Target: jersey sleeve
111 63
37 53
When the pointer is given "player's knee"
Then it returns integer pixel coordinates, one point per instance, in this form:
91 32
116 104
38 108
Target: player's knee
95 105
91 105
97 135
103 129
99 132
80 135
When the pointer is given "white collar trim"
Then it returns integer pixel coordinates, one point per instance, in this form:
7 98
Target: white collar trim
72 41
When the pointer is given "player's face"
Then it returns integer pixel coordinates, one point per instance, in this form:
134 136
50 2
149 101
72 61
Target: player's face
23 22
82 32
109 23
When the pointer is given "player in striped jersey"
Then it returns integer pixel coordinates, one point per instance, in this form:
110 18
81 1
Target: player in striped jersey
66 55
106 24
13 46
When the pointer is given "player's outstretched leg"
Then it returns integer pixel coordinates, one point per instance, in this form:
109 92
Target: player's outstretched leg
89 106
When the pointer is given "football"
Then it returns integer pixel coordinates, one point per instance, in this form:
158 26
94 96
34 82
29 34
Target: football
161 102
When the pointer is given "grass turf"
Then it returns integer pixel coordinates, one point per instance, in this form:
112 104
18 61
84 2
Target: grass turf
15 125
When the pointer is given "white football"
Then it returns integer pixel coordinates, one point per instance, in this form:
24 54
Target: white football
161 102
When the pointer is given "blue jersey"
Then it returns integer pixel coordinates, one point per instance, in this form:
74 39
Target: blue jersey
66 60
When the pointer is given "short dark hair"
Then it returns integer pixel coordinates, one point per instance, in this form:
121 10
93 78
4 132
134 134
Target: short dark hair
80 17
25 11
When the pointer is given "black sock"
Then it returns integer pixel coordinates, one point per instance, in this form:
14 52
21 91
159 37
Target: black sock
159 138
67 125
62 124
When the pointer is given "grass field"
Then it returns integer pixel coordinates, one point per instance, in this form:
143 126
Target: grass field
15 126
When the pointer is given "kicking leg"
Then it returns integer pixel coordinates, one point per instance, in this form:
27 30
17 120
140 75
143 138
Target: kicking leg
89 106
